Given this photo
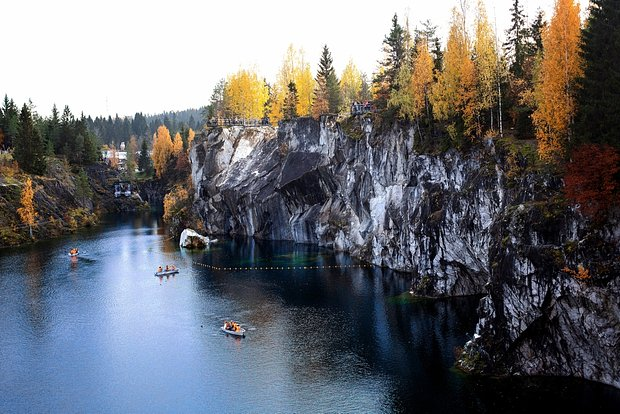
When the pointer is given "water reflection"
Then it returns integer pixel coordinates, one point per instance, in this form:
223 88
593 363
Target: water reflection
35 304
104 332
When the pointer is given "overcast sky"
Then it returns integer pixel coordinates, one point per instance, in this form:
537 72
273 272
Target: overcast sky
126 56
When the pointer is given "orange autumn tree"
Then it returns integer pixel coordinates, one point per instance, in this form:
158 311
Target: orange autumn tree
486 67
422 80
555 91
26 212
177 144
454 93
162 151
190 138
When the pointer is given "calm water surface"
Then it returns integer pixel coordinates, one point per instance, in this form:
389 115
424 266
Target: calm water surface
100 333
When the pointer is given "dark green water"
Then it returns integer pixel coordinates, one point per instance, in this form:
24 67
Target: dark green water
102 334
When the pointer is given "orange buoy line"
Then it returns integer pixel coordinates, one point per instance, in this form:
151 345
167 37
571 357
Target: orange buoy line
246 268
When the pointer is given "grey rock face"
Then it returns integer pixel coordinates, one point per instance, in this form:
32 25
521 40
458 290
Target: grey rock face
375 198
538 318
449 219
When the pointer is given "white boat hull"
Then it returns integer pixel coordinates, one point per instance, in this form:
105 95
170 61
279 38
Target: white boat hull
240 332
167 272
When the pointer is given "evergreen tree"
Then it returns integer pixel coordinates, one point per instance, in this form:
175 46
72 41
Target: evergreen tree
327 85
394 51
365 92
29 148
138 125
144 161
428 33
8 122
290 102
599 98
82 188
536 31
516 39
61 147
52 131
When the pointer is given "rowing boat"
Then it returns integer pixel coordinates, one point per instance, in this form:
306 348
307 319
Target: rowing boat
240 332
167 272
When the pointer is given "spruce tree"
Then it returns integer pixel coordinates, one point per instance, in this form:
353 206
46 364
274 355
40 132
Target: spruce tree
290 102
8 122
144 160
598 120
394 51
516 39
328 86
535 32
29 148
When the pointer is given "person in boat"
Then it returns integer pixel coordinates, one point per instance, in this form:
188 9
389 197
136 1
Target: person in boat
159 269
167 268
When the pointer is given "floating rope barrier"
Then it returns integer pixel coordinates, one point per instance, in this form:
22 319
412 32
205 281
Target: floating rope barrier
248 268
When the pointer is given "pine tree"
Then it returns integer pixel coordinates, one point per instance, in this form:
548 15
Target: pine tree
365 90
61 147
536 30
385 78
327 89
517 35
599 98
144 161
29 148
52 131
9 122
428 33
290 102
82 188
215 109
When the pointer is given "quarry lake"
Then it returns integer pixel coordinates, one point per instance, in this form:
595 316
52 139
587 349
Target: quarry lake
101 333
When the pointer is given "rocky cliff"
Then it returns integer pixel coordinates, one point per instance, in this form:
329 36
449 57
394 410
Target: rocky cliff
454 221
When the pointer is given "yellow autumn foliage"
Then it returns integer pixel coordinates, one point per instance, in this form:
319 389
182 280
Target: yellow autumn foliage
162 150
174 202
555 92
26 212
245 95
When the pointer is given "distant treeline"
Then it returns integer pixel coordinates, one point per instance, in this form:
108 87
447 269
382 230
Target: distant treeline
113 131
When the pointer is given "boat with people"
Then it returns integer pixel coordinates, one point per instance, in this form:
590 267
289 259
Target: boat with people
74 252
233 328
167 271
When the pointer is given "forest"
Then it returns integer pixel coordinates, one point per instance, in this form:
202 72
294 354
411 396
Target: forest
553 85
